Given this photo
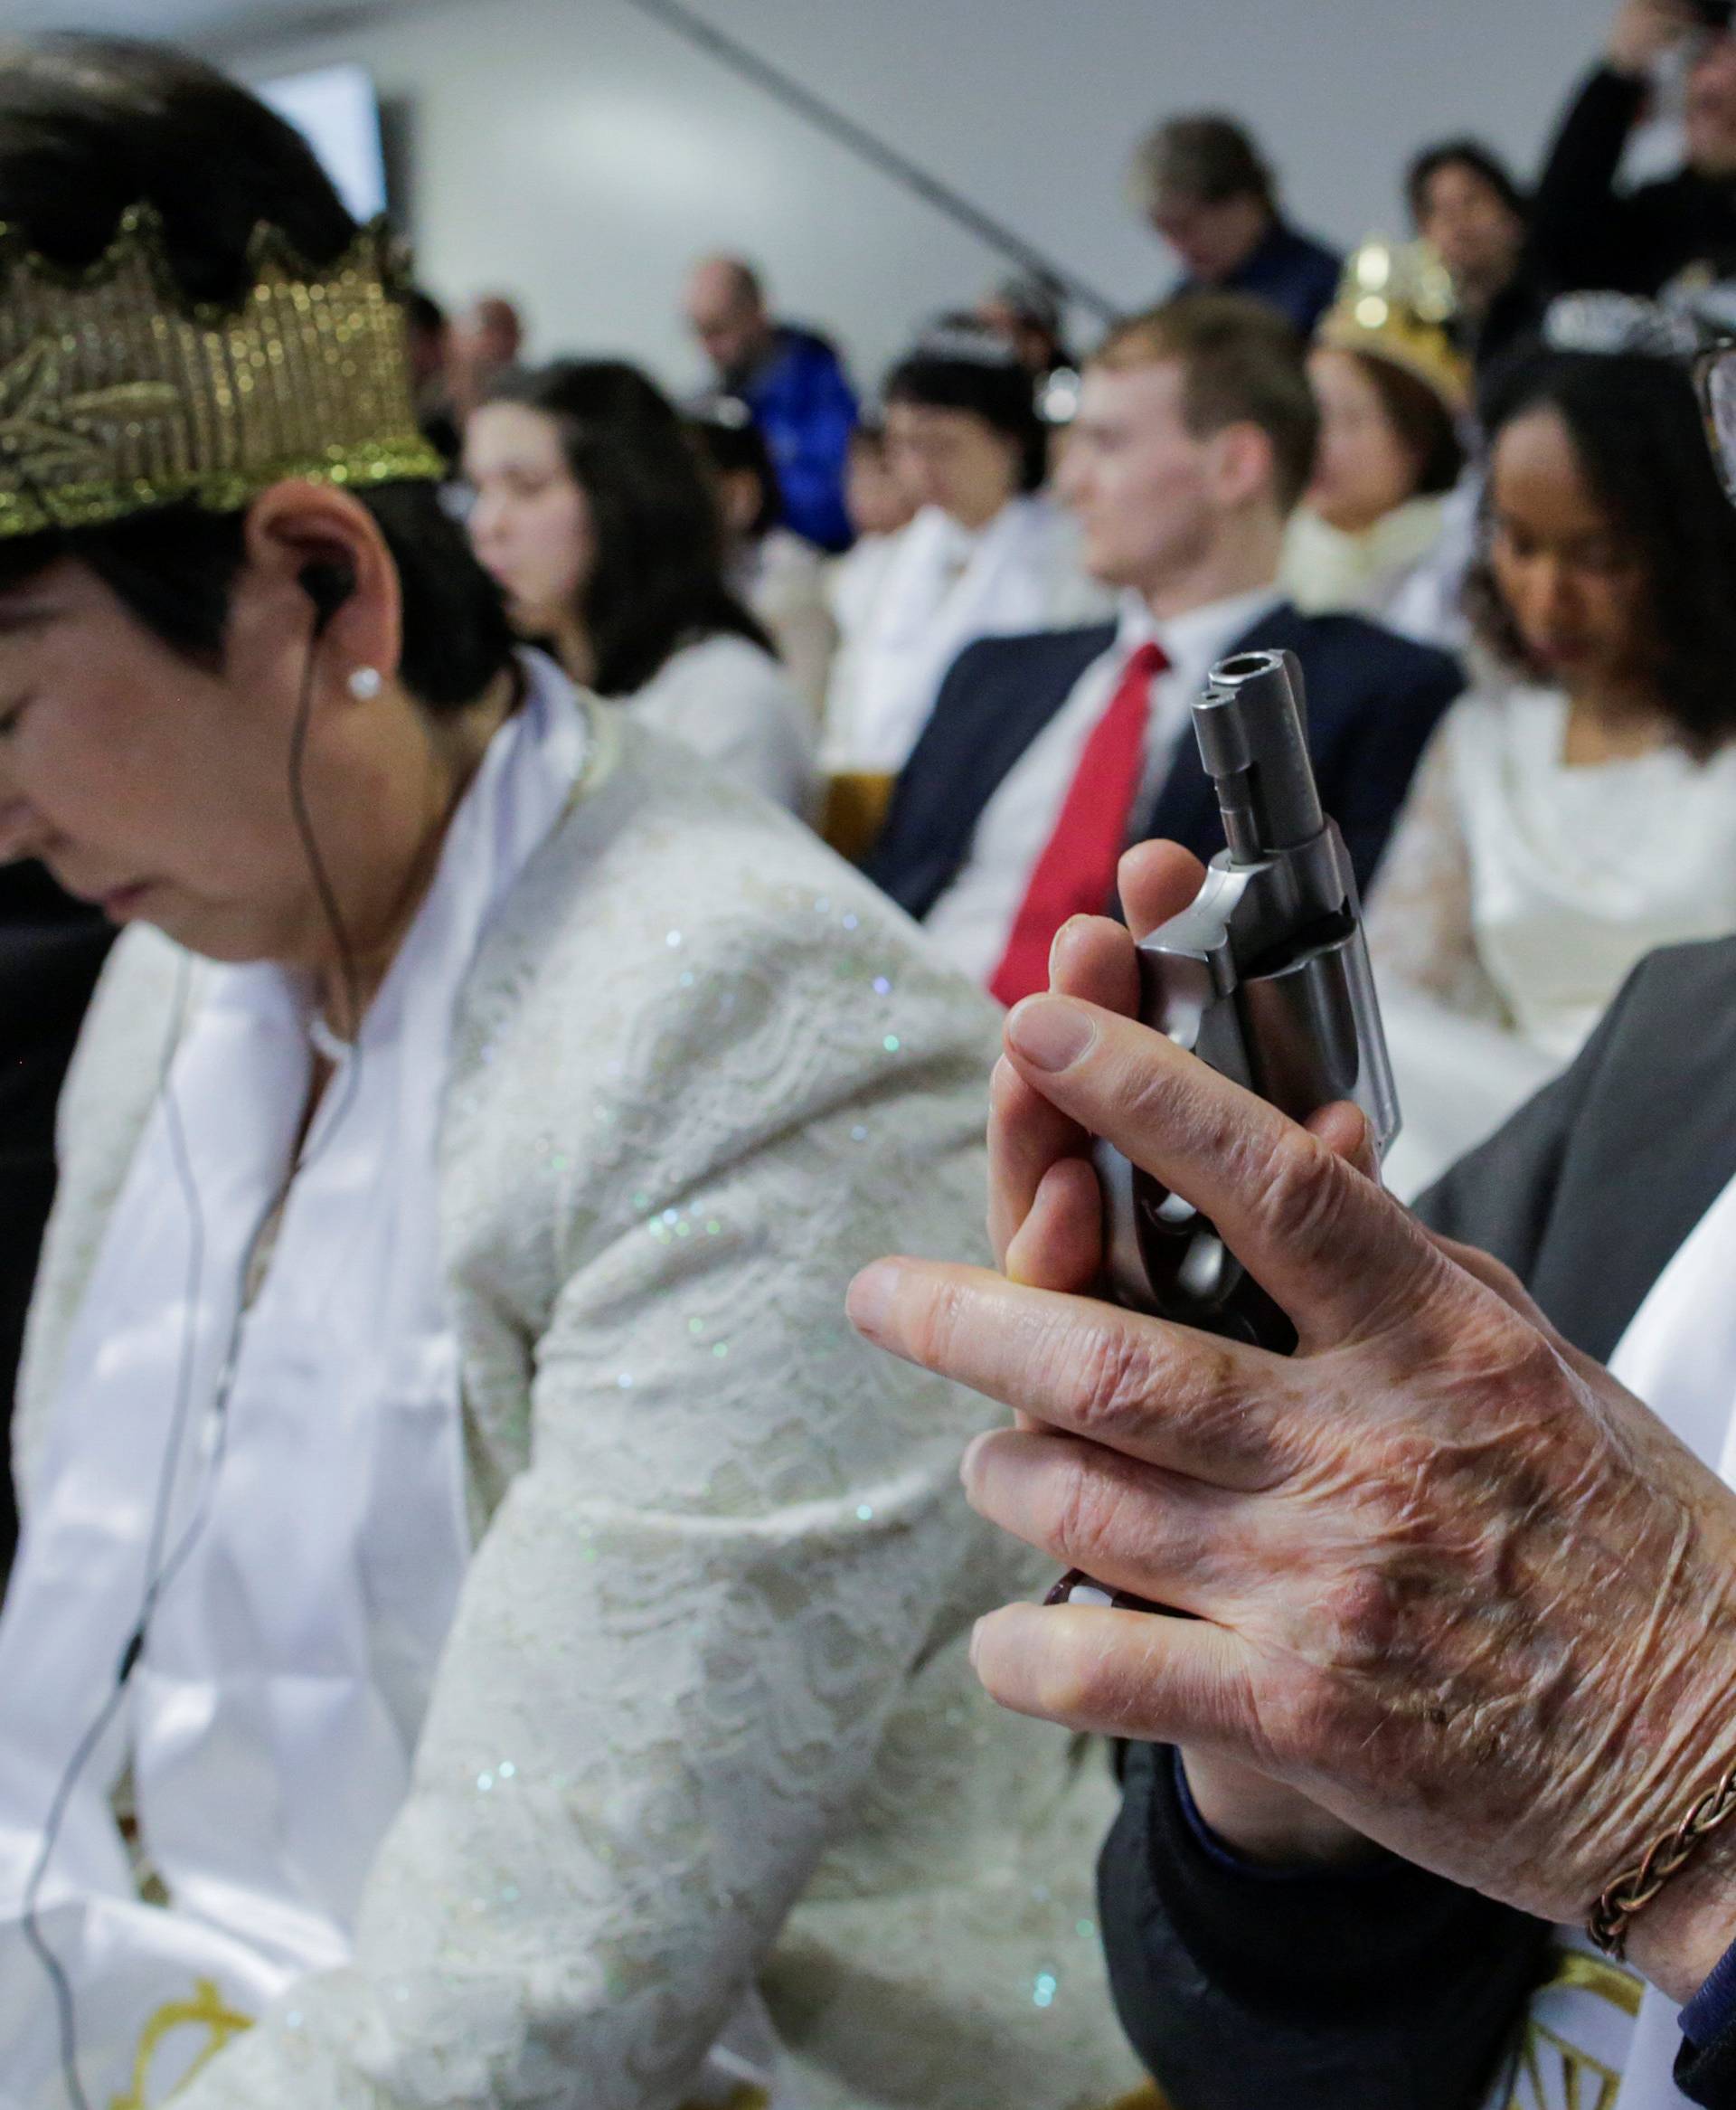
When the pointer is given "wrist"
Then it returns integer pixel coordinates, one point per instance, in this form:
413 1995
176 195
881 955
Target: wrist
1679 1938
1261 1821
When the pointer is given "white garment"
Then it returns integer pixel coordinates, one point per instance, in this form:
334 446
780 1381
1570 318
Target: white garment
783 580
973 920
1518 894
1679 1356
705 1719
942 587
269 1724
729 701
1406 571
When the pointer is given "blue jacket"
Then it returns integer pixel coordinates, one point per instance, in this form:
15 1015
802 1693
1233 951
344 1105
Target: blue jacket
806 411
1374 699
1290 271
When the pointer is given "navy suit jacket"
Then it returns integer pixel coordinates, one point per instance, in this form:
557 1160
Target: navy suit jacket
1373 698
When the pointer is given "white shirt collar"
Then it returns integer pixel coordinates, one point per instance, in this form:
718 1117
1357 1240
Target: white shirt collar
1199 636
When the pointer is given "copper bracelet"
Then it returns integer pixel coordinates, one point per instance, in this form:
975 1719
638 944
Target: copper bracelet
1666 1857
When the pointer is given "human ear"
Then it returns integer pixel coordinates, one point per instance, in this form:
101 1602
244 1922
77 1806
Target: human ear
318 570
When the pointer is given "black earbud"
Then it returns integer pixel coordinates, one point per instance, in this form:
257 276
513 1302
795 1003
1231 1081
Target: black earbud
328 586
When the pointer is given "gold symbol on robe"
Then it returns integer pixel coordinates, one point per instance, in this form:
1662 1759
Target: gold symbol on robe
205 2011
1552 2071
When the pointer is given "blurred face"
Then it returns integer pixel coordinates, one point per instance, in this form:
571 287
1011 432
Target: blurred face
1710 117
1572 580
1465 218
729 324
529 526
1140 485
158 789
953 459
1211 241
1364 469
876 502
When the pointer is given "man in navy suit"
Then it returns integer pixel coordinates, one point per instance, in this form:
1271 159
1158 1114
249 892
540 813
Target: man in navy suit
1046 753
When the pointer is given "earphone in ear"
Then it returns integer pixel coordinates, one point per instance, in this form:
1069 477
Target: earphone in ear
328 586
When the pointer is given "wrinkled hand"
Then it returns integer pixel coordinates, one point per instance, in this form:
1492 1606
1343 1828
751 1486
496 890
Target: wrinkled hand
1452 1584
1644 30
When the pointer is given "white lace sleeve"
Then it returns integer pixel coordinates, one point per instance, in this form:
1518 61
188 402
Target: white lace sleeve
692 1618
1419 925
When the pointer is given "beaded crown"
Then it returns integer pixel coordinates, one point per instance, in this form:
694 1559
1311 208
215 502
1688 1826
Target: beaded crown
1396 300
117 393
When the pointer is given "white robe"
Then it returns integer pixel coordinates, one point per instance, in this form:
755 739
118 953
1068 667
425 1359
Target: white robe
1516 897
703 1722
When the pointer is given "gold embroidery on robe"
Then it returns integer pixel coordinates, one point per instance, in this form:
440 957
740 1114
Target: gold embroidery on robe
1553 2071
204 2010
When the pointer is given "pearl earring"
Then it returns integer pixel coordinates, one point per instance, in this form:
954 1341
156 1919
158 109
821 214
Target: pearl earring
365 684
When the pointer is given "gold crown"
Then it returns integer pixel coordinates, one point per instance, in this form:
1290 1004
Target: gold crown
117 393
1395 300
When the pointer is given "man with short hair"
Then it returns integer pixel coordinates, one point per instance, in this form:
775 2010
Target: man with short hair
1588 232
793 385
1205 187
1047 754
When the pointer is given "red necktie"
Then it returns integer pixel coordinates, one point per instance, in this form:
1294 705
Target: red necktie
1076 871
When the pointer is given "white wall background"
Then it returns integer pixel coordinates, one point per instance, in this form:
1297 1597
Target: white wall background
581 154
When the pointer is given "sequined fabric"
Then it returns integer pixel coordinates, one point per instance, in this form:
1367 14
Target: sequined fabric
705 1720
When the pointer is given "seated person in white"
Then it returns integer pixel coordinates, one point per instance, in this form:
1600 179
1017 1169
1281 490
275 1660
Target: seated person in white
485 1635
986 556
593 514
1382 528
776 576
879 505
1578 807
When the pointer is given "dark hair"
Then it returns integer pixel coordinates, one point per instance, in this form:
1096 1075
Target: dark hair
423 312
1205 157
657 582
91 124
1425 428
1635 429
1481 160
732 444
1242 364
961 364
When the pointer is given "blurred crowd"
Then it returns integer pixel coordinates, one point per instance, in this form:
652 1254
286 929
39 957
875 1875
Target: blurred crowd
1460 468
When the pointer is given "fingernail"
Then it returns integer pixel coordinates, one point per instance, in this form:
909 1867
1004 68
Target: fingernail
869 1301
1049 1032
976 1636
968 1463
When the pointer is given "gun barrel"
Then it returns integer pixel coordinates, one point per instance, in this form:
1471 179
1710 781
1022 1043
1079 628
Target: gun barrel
1251 725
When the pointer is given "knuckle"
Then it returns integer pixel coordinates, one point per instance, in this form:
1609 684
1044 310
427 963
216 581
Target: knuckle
1084 1516
1112 1376
1302 1191
1361 1615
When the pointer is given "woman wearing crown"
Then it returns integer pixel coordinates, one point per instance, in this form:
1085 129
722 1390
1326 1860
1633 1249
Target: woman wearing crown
484 1633
1384 528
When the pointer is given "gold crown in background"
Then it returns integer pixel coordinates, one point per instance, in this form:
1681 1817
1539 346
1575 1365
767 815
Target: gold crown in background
117 393
1396 300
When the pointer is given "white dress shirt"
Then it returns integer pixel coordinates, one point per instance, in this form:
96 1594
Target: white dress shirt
973 919
733 703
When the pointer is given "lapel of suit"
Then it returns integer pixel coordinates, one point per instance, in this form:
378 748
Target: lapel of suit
1653 1152
979 731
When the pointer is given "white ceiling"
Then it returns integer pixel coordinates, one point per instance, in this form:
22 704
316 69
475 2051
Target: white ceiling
210 25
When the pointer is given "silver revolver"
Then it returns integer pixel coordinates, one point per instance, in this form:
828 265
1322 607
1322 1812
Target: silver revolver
1266 979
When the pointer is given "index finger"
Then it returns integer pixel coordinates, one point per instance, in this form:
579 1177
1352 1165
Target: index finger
1338 1254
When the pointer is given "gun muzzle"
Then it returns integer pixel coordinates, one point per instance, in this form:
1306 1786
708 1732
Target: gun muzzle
1251 725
